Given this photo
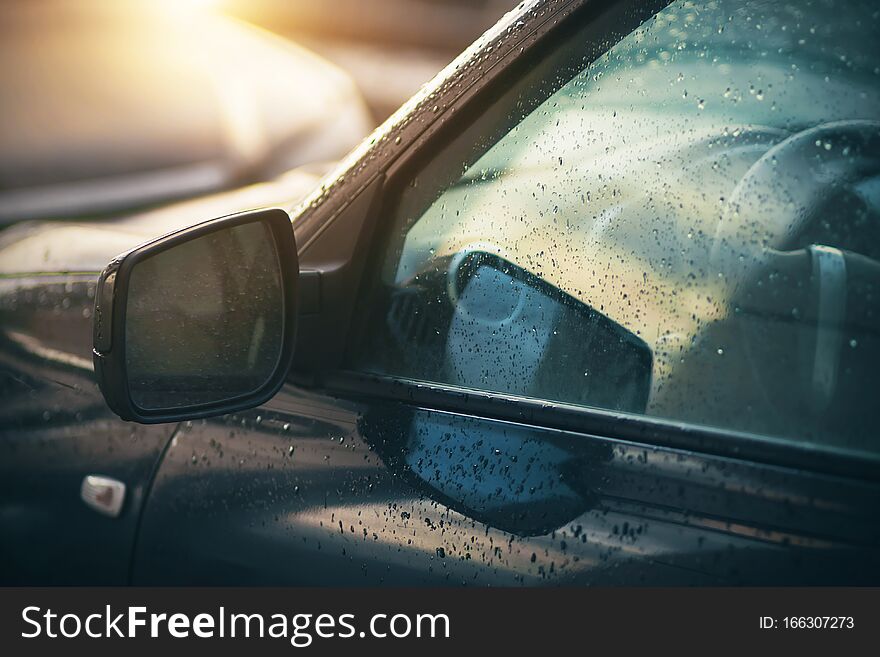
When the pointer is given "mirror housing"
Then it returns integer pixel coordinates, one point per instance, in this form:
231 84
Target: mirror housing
198 322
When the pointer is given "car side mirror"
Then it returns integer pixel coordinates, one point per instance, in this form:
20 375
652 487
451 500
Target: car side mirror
200 322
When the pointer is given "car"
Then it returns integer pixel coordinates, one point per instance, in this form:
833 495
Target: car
598 306
111 107
390 47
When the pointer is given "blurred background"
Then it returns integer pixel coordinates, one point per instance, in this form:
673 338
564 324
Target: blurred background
389 47
112 105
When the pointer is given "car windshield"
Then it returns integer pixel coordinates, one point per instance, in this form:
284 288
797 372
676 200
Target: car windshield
702 184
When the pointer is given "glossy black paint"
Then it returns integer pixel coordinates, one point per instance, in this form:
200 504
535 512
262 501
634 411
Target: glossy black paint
346 481
55 429
307 490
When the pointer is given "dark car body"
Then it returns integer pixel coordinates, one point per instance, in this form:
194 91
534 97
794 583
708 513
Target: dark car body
354 477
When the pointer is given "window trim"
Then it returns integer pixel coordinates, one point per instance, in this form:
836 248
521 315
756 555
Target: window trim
607 425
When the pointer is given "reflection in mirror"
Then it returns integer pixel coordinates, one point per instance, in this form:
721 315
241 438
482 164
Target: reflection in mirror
204 321
525 480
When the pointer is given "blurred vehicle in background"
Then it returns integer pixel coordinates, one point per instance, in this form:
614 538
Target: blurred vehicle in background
390 47
442 25
108 106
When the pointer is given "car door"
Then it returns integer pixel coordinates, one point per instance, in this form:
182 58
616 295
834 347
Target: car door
606 316
55 432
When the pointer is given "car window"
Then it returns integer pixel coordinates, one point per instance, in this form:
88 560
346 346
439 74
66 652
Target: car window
686 226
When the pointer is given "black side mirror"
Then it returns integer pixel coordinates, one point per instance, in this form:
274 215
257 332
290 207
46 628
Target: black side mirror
199 322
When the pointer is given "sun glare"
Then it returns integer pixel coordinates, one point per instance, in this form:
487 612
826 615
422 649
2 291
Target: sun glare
188 7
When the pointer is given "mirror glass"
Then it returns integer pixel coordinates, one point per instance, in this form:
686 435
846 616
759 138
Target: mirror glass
205 319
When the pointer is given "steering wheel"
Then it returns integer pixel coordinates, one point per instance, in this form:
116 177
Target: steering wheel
779 195
768 215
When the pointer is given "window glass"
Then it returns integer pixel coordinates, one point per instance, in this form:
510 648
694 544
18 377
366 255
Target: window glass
688 227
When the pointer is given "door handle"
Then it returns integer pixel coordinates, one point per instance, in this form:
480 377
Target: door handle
103 494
